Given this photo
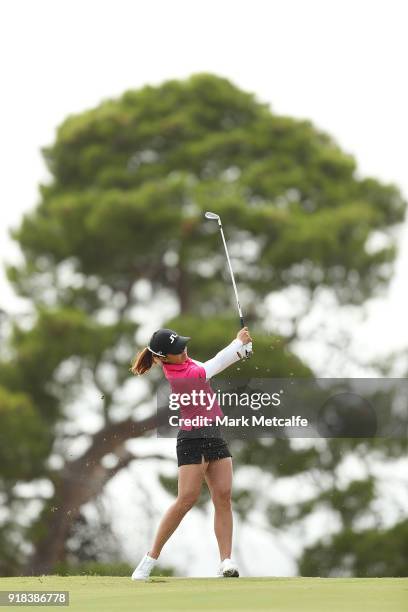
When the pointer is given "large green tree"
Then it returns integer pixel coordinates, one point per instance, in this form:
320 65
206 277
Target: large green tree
118 238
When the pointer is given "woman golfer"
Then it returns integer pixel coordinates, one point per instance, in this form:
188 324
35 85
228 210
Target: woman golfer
202 453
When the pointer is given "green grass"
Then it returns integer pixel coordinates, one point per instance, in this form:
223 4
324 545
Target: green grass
110 594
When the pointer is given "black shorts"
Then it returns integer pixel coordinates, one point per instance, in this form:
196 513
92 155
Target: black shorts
193 449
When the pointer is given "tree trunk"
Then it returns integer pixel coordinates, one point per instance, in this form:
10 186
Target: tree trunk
183 290
77 483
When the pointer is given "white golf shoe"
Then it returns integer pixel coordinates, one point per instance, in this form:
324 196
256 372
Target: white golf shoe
143 570
228 569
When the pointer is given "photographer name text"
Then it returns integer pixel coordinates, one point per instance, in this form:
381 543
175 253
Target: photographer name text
242 421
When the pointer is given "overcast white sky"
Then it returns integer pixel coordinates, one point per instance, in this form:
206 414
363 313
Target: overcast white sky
340 63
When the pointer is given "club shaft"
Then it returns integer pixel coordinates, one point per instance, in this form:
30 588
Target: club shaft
241 317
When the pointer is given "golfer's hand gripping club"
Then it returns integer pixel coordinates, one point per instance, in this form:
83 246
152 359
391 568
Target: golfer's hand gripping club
246 339
248 350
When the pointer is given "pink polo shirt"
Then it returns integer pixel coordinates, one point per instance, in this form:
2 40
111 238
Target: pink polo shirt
183 378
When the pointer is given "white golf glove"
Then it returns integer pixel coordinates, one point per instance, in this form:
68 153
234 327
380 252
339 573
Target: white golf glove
246 350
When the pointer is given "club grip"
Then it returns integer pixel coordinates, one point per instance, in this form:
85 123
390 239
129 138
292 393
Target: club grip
242 322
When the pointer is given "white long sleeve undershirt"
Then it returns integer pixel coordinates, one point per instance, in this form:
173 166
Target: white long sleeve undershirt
226 357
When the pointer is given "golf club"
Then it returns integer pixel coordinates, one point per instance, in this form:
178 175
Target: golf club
214 217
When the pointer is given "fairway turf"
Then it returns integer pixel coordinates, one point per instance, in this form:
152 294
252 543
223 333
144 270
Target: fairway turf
110 594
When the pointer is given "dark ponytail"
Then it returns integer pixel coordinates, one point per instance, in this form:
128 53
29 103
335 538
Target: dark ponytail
142 362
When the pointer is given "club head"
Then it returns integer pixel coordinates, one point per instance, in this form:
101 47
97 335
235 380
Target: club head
212 216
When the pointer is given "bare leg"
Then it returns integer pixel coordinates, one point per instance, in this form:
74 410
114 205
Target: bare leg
219 480
189 486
